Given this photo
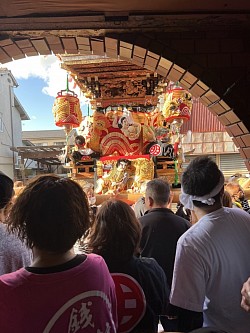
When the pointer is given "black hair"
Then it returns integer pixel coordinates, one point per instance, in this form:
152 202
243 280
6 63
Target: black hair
80 140
120 122
122 160
51 213
201 176
6 189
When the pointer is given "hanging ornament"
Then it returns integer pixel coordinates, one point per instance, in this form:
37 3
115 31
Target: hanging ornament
66 110
178 104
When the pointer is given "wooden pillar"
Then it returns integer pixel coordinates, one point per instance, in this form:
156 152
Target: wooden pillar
22 169
38 167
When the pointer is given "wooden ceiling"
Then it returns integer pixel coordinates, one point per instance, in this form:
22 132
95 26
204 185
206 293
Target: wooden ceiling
112 81
15 8
103 68
32 27
95 18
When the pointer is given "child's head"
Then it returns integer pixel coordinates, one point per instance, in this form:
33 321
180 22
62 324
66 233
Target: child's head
80 140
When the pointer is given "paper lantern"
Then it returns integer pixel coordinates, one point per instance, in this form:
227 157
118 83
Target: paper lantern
66 110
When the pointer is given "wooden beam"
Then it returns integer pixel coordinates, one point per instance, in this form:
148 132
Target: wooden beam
96 25
39 155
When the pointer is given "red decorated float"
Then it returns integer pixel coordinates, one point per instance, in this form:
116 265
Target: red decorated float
136 136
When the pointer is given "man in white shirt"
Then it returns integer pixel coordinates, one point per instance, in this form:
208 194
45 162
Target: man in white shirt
212 257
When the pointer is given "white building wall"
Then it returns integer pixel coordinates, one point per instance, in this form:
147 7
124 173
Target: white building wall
17 131
6 155
11 133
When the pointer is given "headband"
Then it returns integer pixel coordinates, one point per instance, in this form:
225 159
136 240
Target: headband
187 199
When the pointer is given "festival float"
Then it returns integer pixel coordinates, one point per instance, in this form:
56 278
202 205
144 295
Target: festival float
132 136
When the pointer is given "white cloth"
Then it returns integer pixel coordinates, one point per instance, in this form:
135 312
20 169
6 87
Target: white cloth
187 199
211 264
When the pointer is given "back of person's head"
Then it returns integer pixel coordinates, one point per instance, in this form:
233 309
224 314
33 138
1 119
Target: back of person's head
50 214
116 232
6 190
80 140
201 177
227 200
159 190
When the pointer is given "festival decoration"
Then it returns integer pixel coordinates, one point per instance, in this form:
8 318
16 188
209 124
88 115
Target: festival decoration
66 110
155 150
176 109
120 133
67 114
119 174
178 105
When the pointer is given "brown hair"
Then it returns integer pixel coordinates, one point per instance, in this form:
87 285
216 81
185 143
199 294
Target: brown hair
51 213
227 200
116 231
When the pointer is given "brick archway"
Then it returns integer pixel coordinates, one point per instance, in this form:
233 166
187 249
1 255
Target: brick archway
223 93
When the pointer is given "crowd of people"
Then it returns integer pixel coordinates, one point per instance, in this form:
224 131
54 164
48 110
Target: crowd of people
139 266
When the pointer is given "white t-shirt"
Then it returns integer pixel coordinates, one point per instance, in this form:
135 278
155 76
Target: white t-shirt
212 262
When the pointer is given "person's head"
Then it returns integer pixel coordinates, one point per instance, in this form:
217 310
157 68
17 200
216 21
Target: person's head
80 140
122 164
116 232
157 193
6 190
235 191
202 184
227 200
123 122
51 214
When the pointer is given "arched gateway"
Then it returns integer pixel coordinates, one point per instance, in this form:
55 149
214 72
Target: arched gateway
206 49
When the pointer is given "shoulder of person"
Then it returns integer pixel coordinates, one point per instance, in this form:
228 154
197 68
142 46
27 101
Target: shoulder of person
152 271
150 263
95 258
181 220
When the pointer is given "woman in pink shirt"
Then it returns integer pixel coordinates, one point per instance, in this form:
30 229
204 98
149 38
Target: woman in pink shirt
60 291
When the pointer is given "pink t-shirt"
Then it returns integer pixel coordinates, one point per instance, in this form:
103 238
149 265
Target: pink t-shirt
81 299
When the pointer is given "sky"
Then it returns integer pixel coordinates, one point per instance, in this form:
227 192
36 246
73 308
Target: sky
39 80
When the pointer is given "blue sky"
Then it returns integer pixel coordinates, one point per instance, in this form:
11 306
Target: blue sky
39 79
36 103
